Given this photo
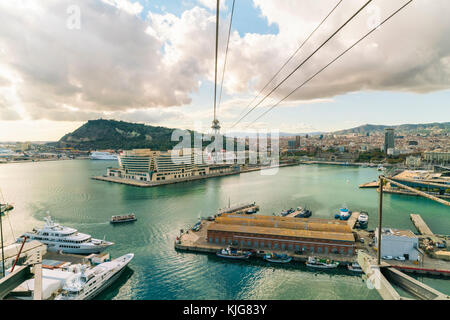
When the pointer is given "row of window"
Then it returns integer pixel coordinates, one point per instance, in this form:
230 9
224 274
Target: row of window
283 246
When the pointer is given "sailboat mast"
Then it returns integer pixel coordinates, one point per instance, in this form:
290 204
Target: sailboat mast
1 235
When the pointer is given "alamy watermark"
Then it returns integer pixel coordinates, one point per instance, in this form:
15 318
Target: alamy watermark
261 148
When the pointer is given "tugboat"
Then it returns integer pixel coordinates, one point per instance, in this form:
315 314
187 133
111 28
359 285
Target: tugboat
355 267
277 258
231 253
321 263
343 214
124 218
304 213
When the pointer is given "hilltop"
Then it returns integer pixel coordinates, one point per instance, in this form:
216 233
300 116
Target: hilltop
436 127
111 134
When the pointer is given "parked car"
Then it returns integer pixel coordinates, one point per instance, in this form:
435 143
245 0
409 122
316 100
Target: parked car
387 257
400 258
361 240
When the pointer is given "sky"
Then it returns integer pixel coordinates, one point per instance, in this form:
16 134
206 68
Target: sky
63 62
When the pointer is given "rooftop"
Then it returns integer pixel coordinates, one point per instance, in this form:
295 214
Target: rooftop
282 232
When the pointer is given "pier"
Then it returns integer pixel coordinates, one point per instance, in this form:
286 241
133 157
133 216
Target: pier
381 276
421 225
148 184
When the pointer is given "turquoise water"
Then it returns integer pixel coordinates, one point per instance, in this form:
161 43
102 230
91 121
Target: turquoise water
159 272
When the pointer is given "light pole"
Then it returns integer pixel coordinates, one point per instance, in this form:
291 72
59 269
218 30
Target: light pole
380 216
1 235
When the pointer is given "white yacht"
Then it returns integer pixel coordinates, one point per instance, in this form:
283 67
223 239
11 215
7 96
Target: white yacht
65 239
103 156
86 284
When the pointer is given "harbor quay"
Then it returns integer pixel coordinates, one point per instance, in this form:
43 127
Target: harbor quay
149 168
329 239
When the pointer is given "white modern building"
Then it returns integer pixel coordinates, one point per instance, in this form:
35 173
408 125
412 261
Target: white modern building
398 243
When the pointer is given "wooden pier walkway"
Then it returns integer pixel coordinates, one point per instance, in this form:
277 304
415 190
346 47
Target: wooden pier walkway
421 225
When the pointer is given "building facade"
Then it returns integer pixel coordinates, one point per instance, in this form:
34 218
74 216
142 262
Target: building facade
389 137
398 243
291 234
153 166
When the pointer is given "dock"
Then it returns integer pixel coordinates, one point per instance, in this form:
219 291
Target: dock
421 225
239 208
191 241
372 184
352 220
381 276
149 184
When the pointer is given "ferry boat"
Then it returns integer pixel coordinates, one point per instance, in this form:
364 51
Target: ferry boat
355 267
103 156
123 218
231 253
321 263
65 239
277 258
86 284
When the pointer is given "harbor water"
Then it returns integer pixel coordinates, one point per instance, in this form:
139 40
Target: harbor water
64 188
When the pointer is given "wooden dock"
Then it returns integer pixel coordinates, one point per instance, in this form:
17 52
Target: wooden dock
353 218
372 184
421 225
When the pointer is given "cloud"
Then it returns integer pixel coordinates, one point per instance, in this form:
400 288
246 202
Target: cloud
122 64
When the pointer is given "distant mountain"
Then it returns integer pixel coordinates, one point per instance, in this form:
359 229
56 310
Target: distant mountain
436 127
111 134
281 134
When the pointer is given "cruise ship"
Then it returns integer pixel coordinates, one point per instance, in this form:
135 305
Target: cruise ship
103 156
65 239
86 284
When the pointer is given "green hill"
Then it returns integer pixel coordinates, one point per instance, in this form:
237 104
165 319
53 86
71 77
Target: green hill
111 134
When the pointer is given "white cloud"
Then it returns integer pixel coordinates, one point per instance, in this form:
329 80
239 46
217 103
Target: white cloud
127 6
120 64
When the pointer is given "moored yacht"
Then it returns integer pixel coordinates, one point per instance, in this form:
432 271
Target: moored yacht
65 239
86 284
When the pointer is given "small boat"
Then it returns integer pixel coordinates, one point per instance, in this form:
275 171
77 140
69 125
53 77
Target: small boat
304 213
380 167
251 211
355 267
321 263
277 258
284 213
363 219
5 207
124 218
231 253
197 226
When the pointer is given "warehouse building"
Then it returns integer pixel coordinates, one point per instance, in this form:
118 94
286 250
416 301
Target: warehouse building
283 233
398 243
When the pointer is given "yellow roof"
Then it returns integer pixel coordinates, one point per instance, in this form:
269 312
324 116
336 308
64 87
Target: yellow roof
282 232
292 223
